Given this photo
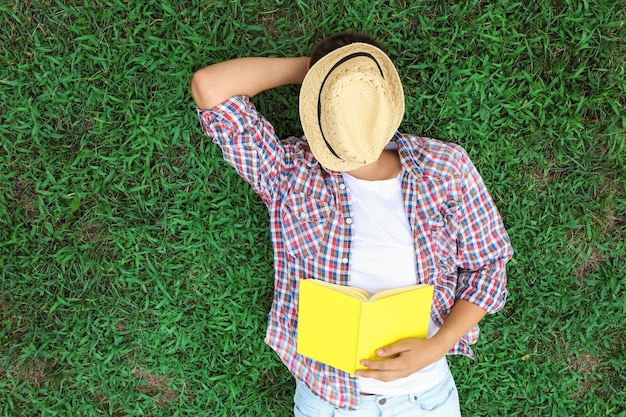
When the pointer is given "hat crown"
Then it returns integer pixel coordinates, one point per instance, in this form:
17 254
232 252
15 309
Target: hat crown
347 131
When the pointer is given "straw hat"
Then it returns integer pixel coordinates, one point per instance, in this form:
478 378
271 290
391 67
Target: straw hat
351 105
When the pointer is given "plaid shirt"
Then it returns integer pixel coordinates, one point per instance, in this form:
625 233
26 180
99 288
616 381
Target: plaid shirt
461 246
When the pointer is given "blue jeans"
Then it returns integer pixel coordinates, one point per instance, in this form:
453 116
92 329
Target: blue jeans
440 400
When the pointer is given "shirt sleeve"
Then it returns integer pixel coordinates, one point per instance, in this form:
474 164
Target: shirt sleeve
248 142
484 245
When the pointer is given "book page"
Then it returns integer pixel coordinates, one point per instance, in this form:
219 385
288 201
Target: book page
392 291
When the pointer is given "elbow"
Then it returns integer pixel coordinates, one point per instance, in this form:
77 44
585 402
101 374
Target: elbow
200 89
206 90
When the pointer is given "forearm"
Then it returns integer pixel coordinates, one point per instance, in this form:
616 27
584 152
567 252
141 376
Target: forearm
245 76
463 316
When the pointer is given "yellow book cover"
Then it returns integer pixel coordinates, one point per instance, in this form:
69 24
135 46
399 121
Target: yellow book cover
341 326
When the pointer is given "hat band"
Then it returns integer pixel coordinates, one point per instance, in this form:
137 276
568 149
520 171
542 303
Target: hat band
319 96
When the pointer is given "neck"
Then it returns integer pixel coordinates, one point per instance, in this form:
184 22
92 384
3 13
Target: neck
386 167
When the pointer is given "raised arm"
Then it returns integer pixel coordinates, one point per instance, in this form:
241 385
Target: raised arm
244 76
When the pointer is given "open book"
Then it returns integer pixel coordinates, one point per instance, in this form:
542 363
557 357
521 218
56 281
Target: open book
341 326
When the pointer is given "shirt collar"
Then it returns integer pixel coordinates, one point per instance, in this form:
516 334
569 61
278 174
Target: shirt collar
407 153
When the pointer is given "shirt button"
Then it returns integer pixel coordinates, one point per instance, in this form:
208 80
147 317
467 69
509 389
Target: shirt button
344 260
349 220
342 186
382 401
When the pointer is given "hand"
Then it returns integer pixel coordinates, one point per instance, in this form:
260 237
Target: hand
403 358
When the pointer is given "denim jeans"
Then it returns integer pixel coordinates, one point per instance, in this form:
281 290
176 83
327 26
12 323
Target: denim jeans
440 400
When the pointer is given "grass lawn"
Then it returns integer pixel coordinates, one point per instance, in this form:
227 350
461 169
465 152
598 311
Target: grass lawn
135 265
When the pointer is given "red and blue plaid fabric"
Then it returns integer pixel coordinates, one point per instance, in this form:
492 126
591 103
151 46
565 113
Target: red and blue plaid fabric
461 245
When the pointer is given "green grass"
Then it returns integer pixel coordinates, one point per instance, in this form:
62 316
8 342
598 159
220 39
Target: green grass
136 269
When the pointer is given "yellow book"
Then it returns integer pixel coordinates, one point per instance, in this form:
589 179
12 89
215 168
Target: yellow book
341 326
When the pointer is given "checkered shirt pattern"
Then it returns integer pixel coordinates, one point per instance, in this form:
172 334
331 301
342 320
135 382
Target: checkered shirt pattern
461 245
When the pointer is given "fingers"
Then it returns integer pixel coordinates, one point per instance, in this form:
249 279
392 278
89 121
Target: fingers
383 364
394 349
384 369
396 361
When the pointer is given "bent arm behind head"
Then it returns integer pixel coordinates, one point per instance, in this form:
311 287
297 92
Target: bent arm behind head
244 76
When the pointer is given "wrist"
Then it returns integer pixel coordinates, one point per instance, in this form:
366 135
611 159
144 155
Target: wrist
442 342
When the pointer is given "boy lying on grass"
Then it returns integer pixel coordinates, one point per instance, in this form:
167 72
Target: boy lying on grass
355 202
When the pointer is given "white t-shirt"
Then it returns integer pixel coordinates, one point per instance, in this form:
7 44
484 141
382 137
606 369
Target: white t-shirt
383 256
